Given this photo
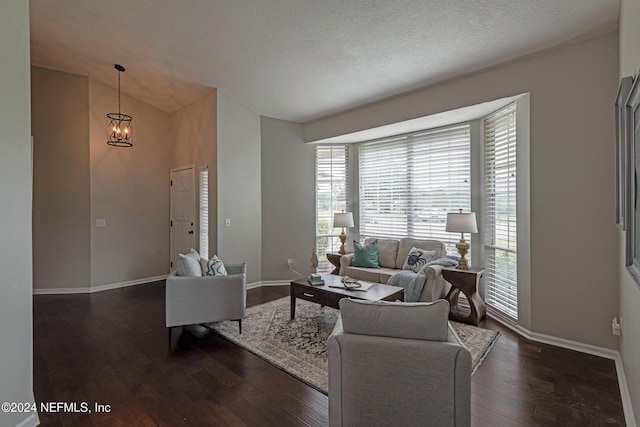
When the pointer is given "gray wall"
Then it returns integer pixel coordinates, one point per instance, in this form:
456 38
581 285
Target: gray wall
195 137
130 189
288 205
574 262
239 189
78 178
81 179
16 351
61 208
629 289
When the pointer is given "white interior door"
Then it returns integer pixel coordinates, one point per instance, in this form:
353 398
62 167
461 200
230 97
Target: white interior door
183 208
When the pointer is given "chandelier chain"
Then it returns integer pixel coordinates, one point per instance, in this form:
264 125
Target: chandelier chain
118 91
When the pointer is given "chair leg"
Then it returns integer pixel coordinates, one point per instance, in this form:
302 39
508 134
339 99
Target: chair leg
240 325
169 329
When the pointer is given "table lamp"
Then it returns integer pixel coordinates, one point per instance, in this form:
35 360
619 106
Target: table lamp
343 219
462 223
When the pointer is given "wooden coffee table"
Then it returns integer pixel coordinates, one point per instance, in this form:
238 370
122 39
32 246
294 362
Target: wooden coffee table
326 295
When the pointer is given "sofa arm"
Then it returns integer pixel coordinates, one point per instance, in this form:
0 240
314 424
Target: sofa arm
240 268
345 262
435 287
334 354
193 300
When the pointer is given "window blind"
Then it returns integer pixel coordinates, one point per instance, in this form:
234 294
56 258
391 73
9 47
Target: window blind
331 196
409 182
203 201
500 211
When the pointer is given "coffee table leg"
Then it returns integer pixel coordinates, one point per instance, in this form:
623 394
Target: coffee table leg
293 304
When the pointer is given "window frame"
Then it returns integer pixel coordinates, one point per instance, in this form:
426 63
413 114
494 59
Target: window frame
337 204
203 211
477 201
500 162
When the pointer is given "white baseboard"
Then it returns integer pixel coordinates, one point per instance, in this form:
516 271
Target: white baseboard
582 348
90 290
31 421
276 283
268 283
624 394
253 285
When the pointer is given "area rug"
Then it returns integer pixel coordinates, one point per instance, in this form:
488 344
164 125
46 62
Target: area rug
299 347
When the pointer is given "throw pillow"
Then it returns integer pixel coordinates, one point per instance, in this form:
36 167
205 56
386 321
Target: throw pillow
365 255
417 258
213 266
418 320
189 264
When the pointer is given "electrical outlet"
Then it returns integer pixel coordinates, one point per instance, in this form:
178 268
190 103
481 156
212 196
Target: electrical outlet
616 328
227 222
290 262
100 223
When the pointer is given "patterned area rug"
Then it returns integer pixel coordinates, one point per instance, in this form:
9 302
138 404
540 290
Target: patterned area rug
299 347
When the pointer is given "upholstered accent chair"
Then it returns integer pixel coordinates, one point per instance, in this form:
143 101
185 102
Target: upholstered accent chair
198 300
397 364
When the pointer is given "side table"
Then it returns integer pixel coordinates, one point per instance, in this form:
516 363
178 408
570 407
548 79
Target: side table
465 281
334 258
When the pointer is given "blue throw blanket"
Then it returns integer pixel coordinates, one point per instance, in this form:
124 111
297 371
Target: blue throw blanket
413 283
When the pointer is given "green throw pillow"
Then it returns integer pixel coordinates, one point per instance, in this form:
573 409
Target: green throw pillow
365 255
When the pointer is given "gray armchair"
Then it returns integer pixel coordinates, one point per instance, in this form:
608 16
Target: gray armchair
397 364
197 300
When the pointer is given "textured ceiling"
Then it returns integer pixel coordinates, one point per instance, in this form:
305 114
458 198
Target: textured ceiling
298 60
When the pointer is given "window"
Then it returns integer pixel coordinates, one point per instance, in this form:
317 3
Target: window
409 182
404 185
500 232
203 201
331 197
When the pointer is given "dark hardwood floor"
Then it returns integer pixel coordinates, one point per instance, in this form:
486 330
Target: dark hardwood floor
111 348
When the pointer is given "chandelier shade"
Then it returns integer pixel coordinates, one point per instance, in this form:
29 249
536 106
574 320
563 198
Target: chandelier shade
119 130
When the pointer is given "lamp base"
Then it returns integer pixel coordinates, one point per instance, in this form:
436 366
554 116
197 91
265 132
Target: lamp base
343 239
463 248
462 264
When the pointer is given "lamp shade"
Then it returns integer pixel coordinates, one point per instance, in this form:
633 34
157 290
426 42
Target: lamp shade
462 222
343 219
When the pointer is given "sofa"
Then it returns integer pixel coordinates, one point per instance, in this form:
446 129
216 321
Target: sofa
397 364
392 255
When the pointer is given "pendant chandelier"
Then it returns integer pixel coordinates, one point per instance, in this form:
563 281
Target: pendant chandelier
118 124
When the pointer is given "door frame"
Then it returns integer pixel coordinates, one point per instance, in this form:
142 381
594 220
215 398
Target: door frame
195 212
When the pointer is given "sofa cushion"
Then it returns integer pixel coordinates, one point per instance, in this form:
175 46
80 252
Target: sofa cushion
387 251
376 275
386 273
365 255
417 259
408 243
189 264
419 321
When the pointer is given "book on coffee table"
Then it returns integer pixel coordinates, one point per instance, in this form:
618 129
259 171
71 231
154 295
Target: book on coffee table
315 279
